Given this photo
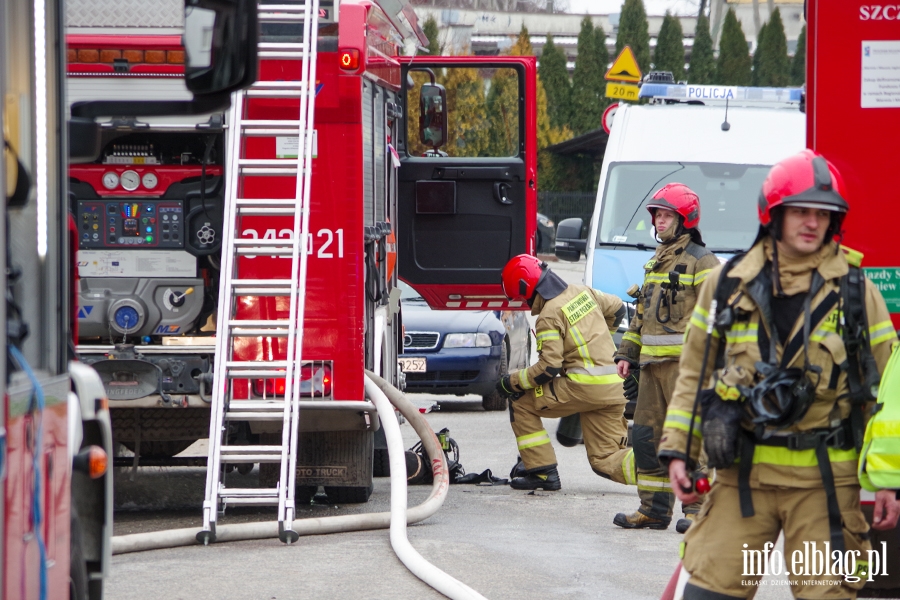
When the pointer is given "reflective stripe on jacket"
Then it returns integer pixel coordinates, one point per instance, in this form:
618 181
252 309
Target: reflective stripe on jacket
573 339
776 465
649 340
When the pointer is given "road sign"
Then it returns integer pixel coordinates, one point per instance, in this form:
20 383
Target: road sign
623 91
608 117
625 68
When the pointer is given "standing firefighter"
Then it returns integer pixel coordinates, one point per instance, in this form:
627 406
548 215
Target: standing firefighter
574 374
648 355
798 339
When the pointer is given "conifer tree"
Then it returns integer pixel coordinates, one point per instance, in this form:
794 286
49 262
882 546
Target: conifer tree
703 64
431 31
669 55
774 66
758 54
555 77
733 66
634 31
588 85
798 64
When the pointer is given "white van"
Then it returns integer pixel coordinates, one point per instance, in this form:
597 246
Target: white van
683 136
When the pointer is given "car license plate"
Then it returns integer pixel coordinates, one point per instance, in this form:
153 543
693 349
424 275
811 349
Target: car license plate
412 364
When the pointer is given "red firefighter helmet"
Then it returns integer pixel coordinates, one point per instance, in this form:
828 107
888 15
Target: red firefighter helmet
521 275
805 179
680 199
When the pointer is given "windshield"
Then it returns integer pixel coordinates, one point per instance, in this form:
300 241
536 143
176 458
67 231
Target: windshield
728 198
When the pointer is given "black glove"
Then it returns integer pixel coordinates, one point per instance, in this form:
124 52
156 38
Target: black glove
630 385
721 428
505 389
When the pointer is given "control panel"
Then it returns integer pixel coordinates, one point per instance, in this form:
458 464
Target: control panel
124 223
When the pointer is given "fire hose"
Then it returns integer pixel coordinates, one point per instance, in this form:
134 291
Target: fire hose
383 395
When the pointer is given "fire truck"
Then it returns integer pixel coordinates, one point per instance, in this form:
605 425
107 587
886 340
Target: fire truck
424 168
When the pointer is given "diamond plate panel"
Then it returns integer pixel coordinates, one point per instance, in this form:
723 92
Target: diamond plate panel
125 13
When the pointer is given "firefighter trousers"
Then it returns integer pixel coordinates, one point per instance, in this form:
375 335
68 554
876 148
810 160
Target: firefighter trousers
603 424
726 554
656 386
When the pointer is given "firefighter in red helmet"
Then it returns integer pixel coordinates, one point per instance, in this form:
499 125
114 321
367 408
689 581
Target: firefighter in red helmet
647 358
574 374
784 348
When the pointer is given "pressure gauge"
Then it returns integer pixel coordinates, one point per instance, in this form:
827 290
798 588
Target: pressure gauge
130 180
149 180
110 180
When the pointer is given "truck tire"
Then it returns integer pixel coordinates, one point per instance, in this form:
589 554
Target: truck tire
166 449
78 579
493 400
348 495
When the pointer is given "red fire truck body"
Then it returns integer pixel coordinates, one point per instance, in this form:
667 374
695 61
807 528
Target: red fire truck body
853 92
367 226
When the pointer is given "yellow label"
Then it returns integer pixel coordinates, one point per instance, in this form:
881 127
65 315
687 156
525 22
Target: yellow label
539 391
650 264
138 160
540 344
578 307
622 91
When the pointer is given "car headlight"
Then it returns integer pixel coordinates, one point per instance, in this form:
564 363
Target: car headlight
467 340
545 221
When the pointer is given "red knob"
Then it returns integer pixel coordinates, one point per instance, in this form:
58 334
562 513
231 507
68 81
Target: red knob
702 485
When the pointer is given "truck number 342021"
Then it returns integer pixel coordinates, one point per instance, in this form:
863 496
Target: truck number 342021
325 243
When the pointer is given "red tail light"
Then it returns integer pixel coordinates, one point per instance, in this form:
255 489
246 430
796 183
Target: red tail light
315 381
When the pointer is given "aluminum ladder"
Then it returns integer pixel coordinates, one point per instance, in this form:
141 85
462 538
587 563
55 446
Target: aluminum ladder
224 407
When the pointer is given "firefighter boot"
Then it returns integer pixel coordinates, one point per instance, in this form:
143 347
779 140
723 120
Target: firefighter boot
682 525
547 480
638 520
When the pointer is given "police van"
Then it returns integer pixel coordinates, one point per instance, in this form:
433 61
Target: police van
718 140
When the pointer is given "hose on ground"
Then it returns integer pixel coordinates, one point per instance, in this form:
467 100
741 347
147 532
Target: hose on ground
139 542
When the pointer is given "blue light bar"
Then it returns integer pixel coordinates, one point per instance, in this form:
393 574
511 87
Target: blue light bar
712 93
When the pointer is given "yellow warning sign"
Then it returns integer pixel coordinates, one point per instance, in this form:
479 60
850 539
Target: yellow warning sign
622 91
625 67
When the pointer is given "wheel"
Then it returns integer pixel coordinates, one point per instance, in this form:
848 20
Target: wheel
348 495
166 449
381 464
494 401
78 579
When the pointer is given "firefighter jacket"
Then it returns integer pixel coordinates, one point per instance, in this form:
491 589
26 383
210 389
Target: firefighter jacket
656 332
573 339
775 465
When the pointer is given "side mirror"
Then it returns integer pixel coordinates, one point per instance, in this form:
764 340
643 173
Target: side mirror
433 115
220 41
569 241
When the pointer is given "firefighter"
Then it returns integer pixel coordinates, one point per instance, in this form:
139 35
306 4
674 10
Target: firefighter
647 358
574 374
779 391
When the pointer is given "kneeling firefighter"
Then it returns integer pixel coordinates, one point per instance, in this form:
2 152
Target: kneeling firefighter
574 374
783 350
647 358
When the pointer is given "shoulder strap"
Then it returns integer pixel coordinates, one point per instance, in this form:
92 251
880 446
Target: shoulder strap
862 371
725 288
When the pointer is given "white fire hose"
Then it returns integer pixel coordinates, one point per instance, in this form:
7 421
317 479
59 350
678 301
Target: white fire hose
383 395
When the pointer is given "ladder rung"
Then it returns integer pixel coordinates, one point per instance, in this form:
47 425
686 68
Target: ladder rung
264 251
258 374
260 406
245 492
251 501
284 55
256 243
253 207
258 324
245 450
245 333
246 364
261 287
297 47
268 163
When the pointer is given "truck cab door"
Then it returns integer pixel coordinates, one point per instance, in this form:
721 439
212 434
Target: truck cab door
467 195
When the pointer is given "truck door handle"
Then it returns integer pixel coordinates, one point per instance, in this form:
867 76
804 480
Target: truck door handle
501 193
